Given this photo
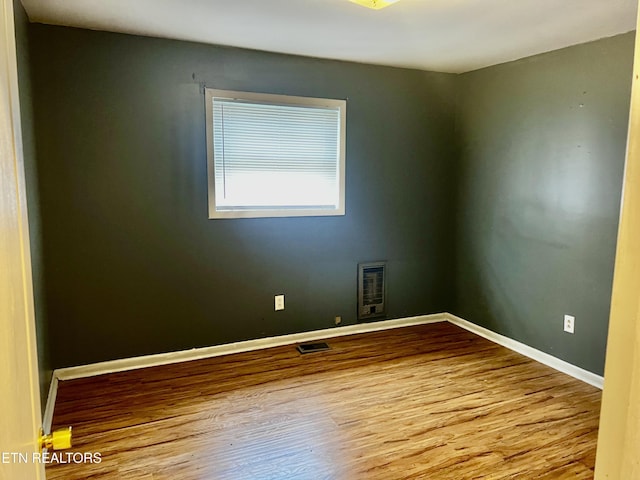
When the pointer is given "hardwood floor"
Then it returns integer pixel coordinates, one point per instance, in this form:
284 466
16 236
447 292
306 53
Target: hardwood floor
425 402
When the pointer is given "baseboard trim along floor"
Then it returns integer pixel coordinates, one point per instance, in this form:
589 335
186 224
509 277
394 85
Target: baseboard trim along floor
124 364
47 416
544 358
121 365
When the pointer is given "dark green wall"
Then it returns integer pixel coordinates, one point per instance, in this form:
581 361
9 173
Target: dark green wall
542 149
133 264
493 195
33 204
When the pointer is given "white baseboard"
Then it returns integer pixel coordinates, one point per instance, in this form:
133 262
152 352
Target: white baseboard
537 355
47 416
258 344
124 364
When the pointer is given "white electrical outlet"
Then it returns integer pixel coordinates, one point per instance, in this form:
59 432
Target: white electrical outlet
338 320
279 301
569 323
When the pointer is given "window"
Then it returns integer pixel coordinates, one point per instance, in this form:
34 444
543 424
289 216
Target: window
274 155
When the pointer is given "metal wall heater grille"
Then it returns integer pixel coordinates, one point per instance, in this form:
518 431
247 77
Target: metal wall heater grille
371 290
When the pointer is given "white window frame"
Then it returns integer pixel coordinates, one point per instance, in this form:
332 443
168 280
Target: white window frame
292 211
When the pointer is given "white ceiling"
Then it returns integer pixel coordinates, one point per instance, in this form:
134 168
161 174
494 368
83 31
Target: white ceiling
441 35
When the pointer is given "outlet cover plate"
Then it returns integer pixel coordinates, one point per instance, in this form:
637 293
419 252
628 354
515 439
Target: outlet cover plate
569 323
279 302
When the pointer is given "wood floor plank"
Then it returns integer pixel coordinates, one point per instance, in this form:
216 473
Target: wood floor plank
424 402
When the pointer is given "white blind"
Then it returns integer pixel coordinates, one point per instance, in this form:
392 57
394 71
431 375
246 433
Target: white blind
282 156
